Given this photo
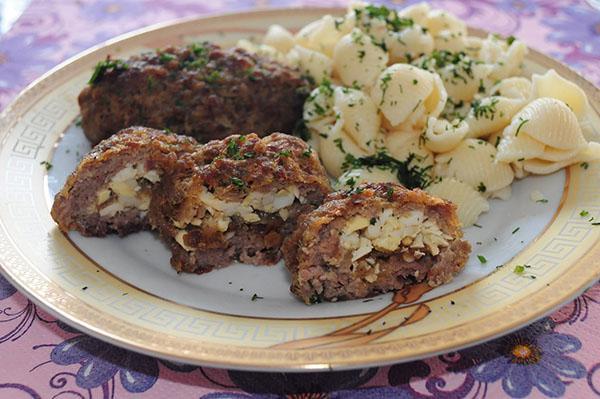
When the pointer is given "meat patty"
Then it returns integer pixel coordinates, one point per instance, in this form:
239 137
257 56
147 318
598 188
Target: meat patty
198 90
238 202
375 238
110 190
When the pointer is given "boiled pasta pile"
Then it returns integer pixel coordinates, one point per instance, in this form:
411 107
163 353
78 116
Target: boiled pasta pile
407 96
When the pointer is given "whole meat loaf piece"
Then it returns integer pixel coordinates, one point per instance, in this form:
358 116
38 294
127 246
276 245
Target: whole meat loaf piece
110 190
198 90
376 238
239 202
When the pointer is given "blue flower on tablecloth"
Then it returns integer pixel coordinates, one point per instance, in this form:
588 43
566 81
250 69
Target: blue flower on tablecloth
533 357
6 289
100 362
576 26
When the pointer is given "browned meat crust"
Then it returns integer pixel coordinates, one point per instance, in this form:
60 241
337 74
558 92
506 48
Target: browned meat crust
193 209
77 207
199 90
322 267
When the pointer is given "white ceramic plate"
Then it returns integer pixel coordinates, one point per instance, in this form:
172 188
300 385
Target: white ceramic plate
124 291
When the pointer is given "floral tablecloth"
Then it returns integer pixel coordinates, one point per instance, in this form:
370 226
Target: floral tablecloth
41 357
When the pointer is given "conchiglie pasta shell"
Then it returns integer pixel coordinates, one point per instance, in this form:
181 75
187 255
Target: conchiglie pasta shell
401 144
396 94
361 119
356 60
470 204
280 38
510 62
515 87
331 155
551 84
440 20
359 176
522 146
315 64
321 35
442 136
459 89
590 153
412 41
551 122
417 12
482 126
473 162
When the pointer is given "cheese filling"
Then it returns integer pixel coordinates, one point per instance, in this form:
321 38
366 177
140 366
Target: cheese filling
412 233
216 213
125 191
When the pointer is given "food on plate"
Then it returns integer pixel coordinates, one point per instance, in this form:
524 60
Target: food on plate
111 188
238 202
198 90
412 84
375 238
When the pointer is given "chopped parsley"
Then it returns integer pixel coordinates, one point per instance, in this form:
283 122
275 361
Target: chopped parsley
542 201
213 77
372 221
46 164
361 55
166 57
233 148
584 165
482 258
255 297
481 187
515 230
315 298
408 172
239 183
519 269
510 40
393 21
415 82
384 85
584 213
486 111
284 153
523 121
307 152
104 66
389 193
477 225
338 144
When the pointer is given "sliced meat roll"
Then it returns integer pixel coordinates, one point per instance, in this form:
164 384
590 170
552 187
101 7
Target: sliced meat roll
110 190
239 202
376 238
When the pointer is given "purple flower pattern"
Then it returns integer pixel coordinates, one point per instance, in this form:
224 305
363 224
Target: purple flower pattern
540 360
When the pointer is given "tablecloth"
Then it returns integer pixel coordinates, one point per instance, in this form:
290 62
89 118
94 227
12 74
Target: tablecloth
41 357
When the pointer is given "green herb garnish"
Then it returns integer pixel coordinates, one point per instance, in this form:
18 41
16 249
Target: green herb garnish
239 183
46 164
523 121
104 66
481 187
482 258
255 297
409 172
166 57
515 230
584 213
486 111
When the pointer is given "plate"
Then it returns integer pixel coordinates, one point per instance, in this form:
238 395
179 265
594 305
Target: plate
124 291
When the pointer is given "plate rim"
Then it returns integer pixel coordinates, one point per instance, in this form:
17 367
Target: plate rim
8 118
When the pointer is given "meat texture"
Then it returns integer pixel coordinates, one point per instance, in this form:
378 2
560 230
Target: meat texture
238 202
198 90
110 190
375 238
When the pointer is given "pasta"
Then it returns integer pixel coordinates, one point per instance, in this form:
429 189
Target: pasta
361 119
357 61
279 38
450 111
473 162
354 177
442 136
470 203
407 94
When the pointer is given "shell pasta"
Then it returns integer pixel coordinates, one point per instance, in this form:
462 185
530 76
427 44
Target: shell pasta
407 95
